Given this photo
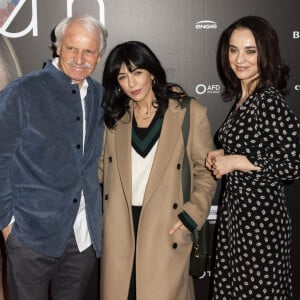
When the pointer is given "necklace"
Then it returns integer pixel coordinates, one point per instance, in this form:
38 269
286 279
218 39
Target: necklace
145 115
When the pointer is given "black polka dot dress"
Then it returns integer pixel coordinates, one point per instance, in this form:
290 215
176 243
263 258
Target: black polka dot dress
254 234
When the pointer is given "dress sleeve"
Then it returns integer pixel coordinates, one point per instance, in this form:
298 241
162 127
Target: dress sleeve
279 128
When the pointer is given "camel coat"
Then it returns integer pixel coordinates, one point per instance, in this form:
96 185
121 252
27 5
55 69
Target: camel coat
162 261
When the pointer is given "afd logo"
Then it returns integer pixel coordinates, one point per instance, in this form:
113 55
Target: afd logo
10 8
206 24
208 89
296 35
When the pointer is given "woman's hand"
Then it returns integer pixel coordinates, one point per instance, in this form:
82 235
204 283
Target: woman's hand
177 226
224 164
211 157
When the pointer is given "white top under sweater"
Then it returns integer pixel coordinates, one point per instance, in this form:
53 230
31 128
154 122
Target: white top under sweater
140 170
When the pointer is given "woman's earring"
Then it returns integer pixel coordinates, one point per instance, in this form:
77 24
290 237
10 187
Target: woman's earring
153 82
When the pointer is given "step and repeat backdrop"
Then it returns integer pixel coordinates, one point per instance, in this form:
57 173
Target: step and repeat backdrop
184 35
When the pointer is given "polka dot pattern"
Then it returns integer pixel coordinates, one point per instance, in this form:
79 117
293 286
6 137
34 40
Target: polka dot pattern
254 232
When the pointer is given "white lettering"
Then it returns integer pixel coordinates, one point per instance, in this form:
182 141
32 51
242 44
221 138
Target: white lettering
296 34
205 273
206 26
209 89
101 10
297 87
32 25
213 88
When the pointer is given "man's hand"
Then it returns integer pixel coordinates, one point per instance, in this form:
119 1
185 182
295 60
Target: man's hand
6 231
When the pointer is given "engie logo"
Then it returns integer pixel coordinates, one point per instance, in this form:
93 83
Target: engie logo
206 24
208 89
296 35
10 8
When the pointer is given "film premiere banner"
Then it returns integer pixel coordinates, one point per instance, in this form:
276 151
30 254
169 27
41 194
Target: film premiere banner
184 35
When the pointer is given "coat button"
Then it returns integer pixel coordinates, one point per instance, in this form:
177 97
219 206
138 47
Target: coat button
174 245
78 146
75 200
106 197
77 118
175 205
73 92
178 166
110 159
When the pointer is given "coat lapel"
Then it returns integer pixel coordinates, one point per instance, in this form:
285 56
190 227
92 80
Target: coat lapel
170 132
123 150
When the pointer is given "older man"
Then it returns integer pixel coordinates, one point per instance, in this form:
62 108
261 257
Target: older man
51 137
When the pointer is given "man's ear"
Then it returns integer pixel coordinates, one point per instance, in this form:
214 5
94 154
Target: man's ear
58 51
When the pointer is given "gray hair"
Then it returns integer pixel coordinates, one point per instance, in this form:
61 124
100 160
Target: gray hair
89 22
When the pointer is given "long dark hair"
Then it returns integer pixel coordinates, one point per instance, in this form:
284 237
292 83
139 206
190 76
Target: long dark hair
271 69
138 55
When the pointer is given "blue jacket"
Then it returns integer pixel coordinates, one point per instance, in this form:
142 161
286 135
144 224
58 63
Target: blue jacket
42 167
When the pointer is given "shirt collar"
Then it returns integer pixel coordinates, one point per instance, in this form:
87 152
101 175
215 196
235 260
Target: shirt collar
84 86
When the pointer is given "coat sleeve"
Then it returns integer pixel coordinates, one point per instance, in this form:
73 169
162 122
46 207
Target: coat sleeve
203 188
12 118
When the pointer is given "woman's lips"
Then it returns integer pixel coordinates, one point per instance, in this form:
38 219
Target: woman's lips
241 69
135 92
